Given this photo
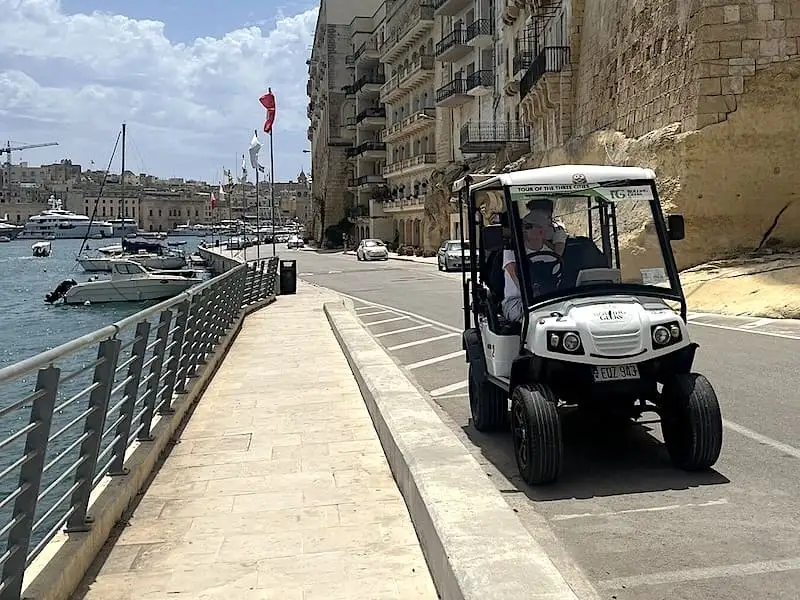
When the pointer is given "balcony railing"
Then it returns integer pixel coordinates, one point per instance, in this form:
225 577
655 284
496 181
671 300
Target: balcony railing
370 179
483 78
369 78
457 86
370 146
429 158
349 60
374 112
552 59
491 137
454 38
479 27
408 15
523 59
369 45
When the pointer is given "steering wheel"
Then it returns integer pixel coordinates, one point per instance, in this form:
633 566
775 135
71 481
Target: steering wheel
546 275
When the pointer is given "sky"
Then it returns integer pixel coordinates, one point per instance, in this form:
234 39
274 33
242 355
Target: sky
185 75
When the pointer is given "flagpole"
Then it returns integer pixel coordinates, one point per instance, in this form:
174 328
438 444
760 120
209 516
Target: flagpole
272 189
258 214
244 208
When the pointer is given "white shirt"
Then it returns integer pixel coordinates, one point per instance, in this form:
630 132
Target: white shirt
510 289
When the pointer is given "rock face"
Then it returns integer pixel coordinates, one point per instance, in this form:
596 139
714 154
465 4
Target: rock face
706 95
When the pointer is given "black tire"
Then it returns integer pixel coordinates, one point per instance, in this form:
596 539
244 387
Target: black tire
691 422
488 404
536 433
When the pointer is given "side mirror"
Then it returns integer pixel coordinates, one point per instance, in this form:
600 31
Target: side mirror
675 227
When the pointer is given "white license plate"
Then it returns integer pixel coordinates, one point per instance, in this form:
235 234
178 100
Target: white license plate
616 373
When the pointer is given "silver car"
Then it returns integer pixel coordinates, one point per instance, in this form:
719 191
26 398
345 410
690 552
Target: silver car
372 250
449 255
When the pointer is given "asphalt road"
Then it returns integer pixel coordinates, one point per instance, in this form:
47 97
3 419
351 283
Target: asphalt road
621 517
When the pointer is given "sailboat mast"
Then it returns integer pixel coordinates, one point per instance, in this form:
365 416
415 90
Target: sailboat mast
122 185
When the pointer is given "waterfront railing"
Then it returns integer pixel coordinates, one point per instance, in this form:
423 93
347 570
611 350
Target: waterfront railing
69 416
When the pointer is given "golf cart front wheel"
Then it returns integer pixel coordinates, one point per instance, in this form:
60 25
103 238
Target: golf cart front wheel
691 422
488 404
536 433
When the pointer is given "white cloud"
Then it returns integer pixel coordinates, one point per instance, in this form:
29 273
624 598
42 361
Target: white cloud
75 78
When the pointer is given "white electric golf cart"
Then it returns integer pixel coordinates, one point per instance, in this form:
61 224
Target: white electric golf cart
601 330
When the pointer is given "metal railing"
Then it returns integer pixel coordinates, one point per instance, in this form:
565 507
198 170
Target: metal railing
454 38
94 397
479 27
552 59
456 86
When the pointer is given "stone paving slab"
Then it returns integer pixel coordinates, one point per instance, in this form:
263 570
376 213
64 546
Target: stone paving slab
278 487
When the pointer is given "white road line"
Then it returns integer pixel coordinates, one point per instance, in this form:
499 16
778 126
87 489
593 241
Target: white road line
640 510
444 336
365 307
754 568
752 331
762 439
385 321
403 330
374 312
434 360
757 323
443 391
411 315
452 397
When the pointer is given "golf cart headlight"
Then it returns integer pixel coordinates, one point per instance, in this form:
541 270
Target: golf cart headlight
661 335
565 342
675 331
571 342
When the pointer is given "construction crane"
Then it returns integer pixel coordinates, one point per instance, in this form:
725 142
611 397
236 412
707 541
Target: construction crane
9 149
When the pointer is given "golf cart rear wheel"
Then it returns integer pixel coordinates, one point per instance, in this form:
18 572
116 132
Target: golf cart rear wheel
488 404
691 421
536 433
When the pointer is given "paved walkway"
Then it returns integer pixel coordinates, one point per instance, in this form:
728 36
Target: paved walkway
278 489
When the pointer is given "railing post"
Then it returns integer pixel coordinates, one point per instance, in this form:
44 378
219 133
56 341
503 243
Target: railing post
130 393
108 351
261 294
173 382
276 287
194 328
154 376
30 479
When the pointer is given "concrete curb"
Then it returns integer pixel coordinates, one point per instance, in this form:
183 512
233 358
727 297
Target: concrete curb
61 566
403 258
475 546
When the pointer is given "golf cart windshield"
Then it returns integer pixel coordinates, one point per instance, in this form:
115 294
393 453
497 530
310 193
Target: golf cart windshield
605 237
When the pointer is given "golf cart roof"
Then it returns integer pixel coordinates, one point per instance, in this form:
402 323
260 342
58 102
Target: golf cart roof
591 174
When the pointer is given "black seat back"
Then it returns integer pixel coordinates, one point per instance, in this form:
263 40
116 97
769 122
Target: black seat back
580 253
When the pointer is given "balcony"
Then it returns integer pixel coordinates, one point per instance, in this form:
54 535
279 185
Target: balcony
349 91
412 124
367 181
552 59
350 123
453 46
368 51
371 118
414 203
492 137
402 82
370 150
410 165
453 94
480 83
450 8
354 212
479 33
350 61
369 84
406 27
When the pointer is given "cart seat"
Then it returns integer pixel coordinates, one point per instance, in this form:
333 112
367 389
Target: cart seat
493 310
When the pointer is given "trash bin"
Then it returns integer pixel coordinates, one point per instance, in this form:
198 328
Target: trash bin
288 275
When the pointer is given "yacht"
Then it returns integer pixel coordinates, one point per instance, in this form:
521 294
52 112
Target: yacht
153 255
123 227
196 230
8 230
58 223
129 282
41 249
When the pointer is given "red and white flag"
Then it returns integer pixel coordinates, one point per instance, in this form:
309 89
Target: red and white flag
213 201
268 102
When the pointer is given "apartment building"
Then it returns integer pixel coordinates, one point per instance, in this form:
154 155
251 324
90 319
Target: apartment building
367 118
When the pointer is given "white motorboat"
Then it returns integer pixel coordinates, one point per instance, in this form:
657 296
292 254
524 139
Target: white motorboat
129 282
41 249
158 262
8 230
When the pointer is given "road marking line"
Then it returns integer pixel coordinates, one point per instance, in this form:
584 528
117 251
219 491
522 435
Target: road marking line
452 396
640 510
434 360
425 341
403 330
754 568
366 307
762 439
403 312
442 391
385 321
757 323
753 331
376 312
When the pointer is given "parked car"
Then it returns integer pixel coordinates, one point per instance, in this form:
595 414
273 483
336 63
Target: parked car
294 241
372 250
449 256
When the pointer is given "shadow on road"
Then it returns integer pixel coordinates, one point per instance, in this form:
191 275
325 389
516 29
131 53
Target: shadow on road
598 461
